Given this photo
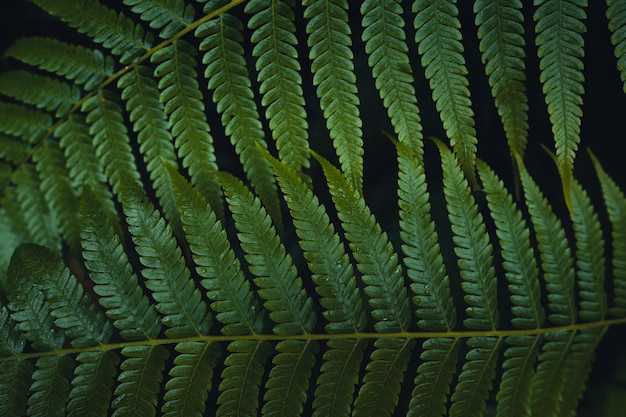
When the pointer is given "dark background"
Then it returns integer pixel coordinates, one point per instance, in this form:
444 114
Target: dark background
602 127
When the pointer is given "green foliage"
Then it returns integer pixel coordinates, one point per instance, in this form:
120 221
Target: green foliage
140 276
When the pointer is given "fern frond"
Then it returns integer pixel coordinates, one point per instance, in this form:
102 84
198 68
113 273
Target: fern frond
550 373
140 380
28 124
168 15
519 261
103 25
190 379
275 275
438 37
69 305
385 44
559 28
471 246
166 275
339 375
288 381
13 229
92 386
140 93
58 192
501 34
32 315
380 391
51 386
34 211
420 244
434 375
113 277
615 203
476 378
242 377
515 387
333 74
12 150
74 62
83 163
556 259
40 91
333 273
110 137
589 256
278 72
183 103
227 288
228 78
522 273
16 377
373 252
616 13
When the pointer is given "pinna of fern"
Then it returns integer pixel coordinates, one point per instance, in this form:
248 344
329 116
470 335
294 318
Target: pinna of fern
181 291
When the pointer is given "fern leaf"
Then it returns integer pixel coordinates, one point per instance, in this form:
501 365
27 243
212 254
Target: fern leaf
476 378
228 78
92 386
339 375
616 207
51 387
170 15
275 275
69 305
23 122
333 274
110 137
227 288
58 192
83 164
278 73
242 377
380 391
74 62
589 256
103 25
519 261
556 259
15 380
190 379
41 91
183 103
578 368
280 286
140 93
333 75
114 280
616 13
34 211
550 373
140 380
559 28
385 44
438 37
501 34
514 395
434 375
231 298
471 246
13 150
166 275
373 252
420 244
288 381
13 229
